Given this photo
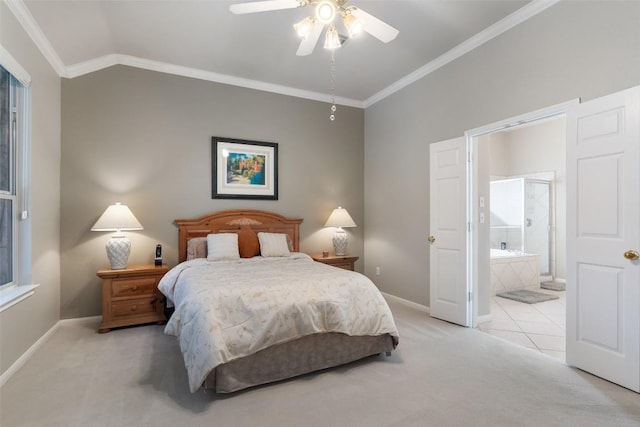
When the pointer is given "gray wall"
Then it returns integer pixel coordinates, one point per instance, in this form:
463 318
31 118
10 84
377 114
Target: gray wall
571 50
24 323
144 138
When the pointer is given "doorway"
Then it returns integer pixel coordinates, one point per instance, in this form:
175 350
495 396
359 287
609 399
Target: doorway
527 210
602 210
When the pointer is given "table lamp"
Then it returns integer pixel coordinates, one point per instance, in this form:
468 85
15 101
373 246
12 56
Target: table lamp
117 218
340 218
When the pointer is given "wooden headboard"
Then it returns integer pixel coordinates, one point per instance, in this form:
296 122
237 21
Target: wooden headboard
230 221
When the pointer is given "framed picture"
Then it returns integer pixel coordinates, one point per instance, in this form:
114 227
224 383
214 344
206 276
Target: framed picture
244 169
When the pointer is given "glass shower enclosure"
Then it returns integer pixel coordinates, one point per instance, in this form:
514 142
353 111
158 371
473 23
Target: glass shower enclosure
521 218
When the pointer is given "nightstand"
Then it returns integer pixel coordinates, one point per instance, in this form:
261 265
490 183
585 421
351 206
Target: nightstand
340 261
131 297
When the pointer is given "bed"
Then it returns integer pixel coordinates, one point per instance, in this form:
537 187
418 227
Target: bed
251 319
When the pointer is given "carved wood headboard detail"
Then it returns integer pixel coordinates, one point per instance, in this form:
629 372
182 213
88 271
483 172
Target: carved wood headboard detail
230 221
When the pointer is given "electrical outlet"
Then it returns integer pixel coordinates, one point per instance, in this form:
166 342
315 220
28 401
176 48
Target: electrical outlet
377 271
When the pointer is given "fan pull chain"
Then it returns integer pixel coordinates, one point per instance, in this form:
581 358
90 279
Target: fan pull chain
332 116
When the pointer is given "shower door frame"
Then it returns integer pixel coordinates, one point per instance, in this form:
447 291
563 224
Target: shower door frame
550 224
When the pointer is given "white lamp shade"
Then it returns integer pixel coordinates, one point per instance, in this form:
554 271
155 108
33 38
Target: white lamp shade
340 218
117 217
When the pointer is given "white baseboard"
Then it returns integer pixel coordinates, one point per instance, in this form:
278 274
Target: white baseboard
27 355
43 339
405 302
80 320
424 308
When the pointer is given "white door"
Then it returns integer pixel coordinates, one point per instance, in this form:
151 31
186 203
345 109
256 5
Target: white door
603 234
448 231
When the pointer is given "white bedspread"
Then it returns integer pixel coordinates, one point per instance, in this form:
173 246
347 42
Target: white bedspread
229 309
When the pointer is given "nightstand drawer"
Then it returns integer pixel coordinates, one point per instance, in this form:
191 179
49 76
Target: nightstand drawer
133 307
344 265
133 287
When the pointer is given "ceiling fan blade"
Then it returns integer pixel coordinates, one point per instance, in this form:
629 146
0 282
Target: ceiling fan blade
372 25
263 6
309 43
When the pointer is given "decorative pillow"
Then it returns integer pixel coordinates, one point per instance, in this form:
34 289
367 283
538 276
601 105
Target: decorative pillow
273 244
222 246
248 243
197 248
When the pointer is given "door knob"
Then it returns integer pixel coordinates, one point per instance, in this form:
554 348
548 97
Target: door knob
431 239
632 255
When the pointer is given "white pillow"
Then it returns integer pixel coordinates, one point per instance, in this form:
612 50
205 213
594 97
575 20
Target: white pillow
222 246
273 244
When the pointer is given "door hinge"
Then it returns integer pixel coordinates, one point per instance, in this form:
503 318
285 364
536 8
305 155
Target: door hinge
469 296
468 226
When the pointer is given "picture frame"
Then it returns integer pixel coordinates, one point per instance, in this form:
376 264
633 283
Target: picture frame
243 169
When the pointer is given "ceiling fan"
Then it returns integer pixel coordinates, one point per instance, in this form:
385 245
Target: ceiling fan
354 19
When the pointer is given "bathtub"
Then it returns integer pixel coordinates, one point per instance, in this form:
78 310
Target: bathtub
514 270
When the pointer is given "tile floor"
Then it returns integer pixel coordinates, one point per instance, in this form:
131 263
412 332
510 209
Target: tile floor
540 327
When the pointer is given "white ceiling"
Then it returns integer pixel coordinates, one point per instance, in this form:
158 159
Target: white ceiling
201 38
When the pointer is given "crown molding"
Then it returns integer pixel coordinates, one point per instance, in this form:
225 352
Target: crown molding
489 33
10 64
106 61
24 17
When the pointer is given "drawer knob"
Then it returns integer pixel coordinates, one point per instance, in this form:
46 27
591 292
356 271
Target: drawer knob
134 288
134 307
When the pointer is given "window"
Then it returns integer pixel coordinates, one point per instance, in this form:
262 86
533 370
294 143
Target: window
8 196
15 222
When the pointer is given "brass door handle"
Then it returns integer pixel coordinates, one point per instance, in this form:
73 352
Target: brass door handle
632 255
431 239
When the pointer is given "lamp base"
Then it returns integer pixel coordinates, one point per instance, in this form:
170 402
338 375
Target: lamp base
118 249
340 242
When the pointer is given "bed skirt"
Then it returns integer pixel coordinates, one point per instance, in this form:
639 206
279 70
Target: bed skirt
287 360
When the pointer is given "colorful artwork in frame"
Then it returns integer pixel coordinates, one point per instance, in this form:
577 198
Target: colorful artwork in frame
244 169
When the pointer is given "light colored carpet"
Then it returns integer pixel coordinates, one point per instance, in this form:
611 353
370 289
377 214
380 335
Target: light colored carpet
440 375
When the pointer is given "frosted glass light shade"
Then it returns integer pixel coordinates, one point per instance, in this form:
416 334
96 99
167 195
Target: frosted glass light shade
303 28
353 24
332 39
117 217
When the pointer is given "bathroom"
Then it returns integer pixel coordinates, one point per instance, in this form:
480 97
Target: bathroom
526 233
520 233
527 193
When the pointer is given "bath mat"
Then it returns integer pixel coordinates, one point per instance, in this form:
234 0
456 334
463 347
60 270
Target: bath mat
553 286
526 296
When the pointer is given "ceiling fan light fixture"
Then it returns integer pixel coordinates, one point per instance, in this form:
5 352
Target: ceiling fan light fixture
332 39
304 27
326 12
353 24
